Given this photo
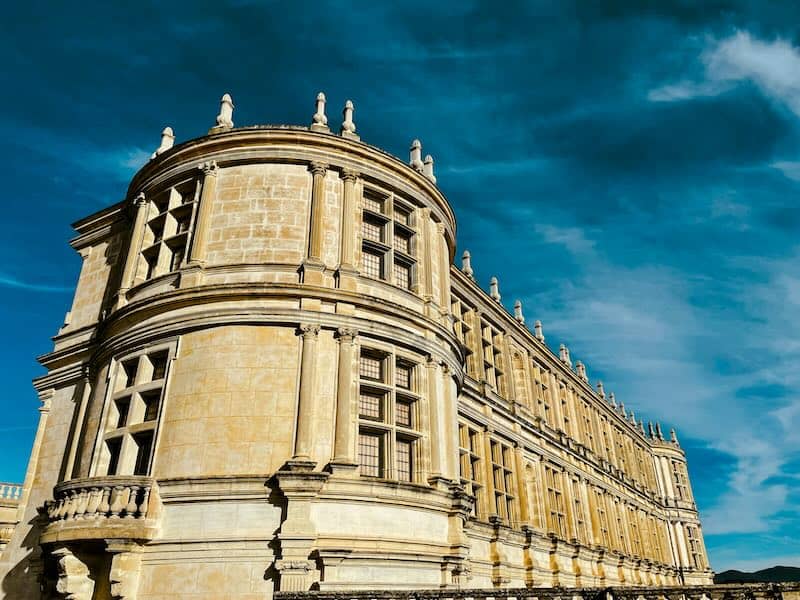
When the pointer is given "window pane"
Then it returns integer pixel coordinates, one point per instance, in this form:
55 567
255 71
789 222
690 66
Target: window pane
123 404
402 376
402 276
403 460
151 401
373 204
372 231
402 243
370 405
369 454
144 443
159 362
372 264
402 414
370 367
114 446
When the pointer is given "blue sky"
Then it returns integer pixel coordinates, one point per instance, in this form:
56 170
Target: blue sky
630 171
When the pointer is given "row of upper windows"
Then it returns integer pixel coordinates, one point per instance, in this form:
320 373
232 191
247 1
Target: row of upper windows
561 409
581 512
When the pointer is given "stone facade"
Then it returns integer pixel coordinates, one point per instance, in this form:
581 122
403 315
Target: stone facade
273 378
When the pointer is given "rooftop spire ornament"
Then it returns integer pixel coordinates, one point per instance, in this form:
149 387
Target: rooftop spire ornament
319 122
167 142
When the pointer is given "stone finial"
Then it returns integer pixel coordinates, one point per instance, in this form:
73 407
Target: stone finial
415 156
650 430
494 289
319 122
427 168
225 116
563 354
167 142
537 330
601 390
518 313
580 368
659 434
673 436
348 126
466 264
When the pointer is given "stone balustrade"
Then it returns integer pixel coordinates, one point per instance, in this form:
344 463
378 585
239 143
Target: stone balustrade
99 497
102 506
10 491
757 591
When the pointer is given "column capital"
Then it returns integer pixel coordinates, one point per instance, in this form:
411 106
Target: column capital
349 174
209 168
318 168
310 330
347 334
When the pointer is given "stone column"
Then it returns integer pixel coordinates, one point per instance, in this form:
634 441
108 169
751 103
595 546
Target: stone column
73 576
347 271
313 266
305 406
137 235
343 457
197 255
436 432
126 563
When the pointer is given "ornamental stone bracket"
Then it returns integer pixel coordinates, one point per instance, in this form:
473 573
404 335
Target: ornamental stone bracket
298 533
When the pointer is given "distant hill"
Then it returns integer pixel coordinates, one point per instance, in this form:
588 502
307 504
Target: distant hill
771 575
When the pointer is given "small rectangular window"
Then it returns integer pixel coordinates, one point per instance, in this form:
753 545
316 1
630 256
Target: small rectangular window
369 454
144 446
114 446
370 405
404 472
370 367
372 264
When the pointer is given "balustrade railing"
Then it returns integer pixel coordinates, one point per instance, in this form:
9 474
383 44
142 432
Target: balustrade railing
101 497
10 491
769 591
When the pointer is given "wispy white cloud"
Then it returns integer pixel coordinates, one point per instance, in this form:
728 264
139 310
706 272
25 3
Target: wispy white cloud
773 66
13 282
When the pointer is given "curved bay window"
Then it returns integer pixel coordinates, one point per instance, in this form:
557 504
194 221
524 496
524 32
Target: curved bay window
388 428
388 246
170 219
131 415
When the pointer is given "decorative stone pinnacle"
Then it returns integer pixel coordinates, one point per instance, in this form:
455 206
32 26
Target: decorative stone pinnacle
427 168
537 330
601 391
518 312
348 126
581 370
466 265
167 142
319 122
659 434
563 354
225 116
415 156
494 289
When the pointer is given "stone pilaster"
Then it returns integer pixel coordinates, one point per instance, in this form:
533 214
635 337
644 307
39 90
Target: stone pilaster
313 267
137 235
306 401
343 450
347 272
